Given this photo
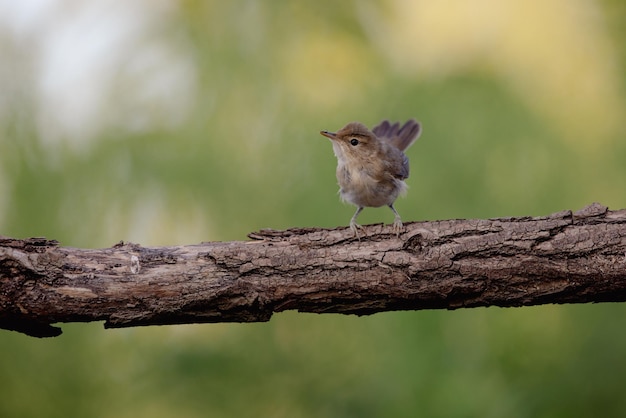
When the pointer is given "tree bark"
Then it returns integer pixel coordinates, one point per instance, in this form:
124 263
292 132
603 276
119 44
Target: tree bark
562 258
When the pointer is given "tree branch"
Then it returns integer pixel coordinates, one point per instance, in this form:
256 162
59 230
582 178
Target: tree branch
561 258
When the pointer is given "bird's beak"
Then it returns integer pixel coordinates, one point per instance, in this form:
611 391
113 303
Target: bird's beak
330 135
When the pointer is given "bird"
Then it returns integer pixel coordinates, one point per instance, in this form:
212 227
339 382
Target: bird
372 166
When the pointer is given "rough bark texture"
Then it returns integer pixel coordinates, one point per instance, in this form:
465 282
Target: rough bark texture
562 258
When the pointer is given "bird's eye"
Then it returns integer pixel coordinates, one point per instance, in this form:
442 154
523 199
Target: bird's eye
354 142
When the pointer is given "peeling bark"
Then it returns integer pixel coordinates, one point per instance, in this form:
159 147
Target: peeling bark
562 258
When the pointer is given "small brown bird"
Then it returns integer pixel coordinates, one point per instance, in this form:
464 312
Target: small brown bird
371 166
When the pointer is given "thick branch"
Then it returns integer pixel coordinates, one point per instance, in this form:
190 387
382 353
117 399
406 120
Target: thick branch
561 258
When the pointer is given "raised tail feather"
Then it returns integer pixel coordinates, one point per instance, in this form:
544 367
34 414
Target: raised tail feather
400 137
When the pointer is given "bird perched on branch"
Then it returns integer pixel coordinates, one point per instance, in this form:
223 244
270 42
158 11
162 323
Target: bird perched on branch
372 166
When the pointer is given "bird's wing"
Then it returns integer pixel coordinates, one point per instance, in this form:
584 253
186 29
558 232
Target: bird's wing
399 137
396 164
401 171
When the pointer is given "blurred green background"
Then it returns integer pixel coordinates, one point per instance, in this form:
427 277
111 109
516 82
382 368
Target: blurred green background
174 122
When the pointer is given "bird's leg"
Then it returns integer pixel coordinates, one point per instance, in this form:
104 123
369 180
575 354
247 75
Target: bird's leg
355 226
397 222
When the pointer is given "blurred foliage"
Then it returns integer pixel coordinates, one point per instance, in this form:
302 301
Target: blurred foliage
170 122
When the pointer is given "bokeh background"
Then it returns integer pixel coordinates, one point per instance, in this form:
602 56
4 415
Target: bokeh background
167 122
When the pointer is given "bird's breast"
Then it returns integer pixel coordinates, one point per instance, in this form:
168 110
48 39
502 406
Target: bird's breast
363 186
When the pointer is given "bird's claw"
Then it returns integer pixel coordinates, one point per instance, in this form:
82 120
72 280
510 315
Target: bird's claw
397 227
355 228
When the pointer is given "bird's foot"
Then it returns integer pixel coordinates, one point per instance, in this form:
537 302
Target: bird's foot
397 227
355 228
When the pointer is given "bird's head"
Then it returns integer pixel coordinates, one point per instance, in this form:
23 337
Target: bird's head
354 143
